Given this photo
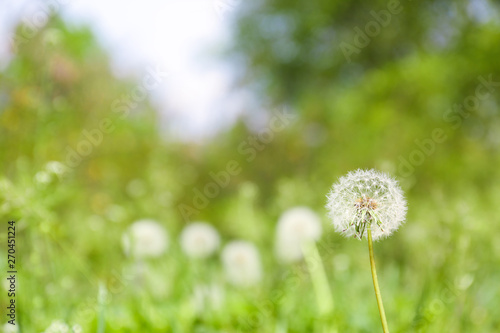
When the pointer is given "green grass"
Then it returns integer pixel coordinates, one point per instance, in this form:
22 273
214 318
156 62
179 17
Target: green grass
438 273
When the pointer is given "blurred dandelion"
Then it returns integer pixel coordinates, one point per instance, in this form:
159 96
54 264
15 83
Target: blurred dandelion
9 328
77 328
145 238
371 201
207 297
42 178
56 168
295 227
199 240
242 263
51 171
59 326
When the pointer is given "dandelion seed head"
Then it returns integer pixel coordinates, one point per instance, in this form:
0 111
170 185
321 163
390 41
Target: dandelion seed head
9 328
57 168
58 326
43 177
77 328
145 238
207 296
199 240
241 263
295 227
366 198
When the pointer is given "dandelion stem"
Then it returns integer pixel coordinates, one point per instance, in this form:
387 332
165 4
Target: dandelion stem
375 283
318 277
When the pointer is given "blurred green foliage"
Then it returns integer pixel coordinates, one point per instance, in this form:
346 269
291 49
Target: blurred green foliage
398 88
439 273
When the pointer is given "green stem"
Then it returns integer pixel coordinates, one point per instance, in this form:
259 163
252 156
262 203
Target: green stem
318 277
375 283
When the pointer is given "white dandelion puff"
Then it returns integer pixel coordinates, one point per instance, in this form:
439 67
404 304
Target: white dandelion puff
145 238
366 199
295 227
43 177
199 240
10 328
207 297
242 264
77 328
57 168
59 326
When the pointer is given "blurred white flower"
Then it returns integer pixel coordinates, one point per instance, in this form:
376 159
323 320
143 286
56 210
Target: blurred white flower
77 328
42 177
242 263
58 326
52 169
366 199
207 297
145 238
295 227
199 240
56 168
9 328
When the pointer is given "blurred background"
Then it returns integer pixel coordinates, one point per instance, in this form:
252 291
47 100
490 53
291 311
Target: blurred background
232 113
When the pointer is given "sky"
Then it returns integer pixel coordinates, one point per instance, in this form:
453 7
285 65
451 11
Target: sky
183 37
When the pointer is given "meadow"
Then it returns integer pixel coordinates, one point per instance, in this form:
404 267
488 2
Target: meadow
80 166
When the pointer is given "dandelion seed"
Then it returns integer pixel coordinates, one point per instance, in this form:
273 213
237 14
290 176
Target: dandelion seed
242 264
295 227
381 205
145 238
199 240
